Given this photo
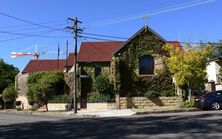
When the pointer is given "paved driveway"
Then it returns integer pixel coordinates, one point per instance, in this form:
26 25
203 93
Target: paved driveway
189 125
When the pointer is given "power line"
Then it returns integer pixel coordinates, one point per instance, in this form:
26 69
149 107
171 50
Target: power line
181 42
32 28
147 14
104 35
26 21
51 23
32 35
101 39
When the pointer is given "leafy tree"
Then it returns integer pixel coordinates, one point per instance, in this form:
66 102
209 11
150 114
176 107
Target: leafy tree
44 86
188 66
9 95
7 75
217 50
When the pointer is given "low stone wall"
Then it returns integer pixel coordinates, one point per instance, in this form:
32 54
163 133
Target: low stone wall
101 106
57 106
145 103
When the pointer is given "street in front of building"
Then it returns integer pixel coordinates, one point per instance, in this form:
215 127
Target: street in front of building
184 125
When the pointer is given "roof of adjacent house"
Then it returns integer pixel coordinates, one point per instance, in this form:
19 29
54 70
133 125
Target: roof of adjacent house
71 59
176 44
44 65
98 51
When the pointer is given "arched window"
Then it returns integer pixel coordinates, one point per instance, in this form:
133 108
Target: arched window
97 71
146 65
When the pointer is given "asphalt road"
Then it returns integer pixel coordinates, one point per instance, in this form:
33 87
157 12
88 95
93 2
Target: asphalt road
189 125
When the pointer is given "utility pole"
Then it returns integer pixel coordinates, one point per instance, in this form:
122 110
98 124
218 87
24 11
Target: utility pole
76 31
67 51
58 58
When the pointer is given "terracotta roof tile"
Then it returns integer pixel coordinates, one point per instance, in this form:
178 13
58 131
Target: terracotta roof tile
176 44
98 51
44 65
71 59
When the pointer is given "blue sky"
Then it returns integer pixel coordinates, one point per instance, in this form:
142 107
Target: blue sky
196 23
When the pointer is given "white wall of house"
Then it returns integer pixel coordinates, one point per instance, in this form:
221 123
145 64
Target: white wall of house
213 69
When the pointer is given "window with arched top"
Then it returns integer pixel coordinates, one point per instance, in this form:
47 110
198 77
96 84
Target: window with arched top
97 71
146 65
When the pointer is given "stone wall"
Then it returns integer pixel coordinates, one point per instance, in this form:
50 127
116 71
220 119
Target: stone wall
57 106
21 83
101 106
146 103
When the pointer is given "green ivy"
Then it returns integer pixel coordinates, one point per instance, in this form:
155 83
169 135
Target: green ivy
127 80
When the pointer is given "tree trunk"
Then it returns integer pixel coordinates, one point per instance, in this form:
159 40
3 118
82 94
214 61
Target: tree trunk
189 93
46 105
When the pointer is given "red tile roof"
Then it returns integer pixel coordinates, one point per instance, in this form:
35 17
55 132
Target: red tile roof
71 59
44 65
176 44
98 51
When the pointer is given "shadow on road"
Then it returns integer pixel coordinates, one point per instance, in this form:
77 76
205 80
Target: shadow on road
184 127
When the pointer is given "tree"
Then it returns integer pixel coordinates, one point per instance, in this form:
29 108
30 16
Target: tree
188 66
7 75
217 50
9 95
44 86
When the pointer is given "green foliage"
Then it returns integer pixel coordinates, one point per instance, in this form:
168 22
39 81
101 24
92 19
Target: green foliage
188 66
187 104
128 81
43 86
7 75
216 51
168 93
18 103
103 90
152 94
99 98
9 94
103 85
61 99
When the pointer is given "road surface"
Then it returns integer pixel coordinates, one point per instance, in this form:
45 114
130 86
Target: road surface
186 125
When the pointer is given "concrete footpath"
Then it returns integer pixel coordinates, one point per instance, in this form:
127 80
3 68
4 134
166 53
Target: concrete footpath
103 113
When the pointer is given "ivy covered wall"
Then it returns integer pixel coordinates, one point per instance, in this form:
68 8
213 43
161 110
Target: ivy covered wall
123 71
128 82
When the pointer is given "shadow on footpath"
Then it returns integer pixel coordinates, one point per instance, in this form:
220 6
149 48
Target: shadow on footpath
118 128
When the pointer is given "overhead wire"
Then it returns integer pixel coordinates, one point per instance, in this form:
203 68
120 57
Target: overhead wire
148 14
51 23
99 35
32 35
28 22
94 38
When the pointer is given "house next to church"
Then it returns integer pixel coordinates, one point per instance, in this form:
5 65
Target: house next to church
135 67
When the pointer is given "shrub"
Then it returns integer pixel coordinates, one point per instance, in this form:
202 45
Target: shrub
18 103
187 104
103 85
31 102
61 99
103 90
99 98
9 95
151 94
43 86
169 93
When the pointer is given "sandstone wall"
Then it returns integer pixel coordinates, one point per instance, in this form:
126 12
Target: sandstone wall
145 103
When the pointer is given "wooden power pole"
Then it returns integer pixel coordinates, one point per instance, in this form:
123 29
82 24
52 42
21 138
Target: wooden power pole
76 31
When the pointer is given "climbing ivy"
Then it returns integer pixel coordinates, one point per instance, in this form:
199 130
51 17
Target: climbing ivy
128 82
